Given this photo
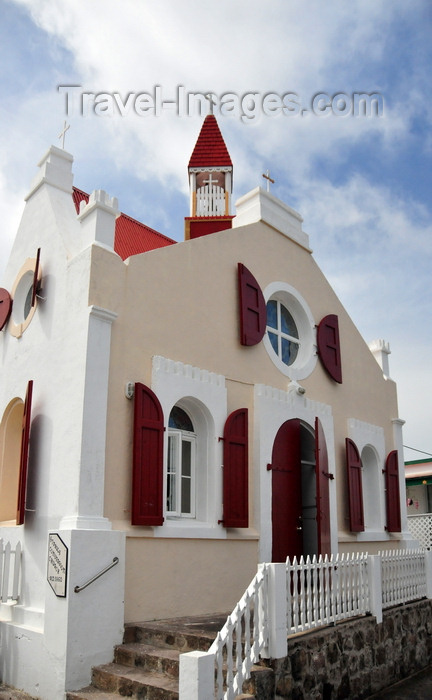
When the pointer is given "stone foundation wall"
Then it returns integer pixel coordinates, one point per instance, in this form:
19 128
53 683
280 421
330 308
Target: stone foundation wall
356 658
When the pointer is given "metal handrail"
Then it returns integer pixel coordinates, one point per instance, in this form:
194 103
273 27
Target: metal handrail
115 561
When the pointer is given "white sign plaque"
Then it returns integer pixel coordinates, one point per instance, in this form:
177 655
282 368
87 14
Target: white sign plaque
57 565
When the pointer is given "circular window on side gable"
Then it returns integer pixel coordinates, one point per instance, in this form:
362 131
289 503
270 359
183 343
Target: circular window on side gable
23 309
290 337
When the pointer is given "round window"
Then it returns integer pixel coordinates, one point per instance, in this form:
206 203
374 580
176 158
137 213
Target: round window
290 332
282 332
24 302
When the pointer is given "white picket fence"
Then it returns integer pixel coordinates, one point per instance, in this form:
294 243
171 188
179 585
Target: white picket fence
210 201
285 599
10 569
322 591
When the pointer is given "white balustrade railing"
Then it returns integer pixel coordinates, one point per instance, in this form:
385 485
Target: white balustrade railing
210 201
420 527
403 576
241 640
285 599
324 590
10 566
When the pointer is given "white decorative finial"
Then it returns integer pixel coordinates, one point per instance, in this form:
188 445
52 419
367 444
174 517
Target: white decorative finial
266 175
62 134
210 97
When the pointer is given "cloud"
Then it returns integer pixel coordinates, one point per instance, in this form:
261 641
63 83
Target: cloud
373 244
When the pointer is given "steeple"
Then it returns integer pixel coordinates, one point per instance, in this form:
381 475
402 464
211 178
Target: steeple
210 181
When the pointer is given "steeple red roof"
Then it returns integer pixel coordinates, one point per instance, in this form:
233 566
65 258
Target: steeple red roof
210 149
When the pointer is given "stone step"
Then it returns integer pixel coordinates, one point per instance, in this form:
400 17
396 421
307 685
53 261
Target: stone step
8 693
148 658
184 634
91 693
134 682
146 665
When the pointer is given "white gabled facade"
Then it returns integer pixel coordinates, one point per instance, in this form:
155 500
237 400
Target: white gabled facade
65 351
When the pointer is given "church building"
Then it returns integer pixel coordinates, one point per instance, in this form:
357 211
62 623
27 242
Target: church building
174 413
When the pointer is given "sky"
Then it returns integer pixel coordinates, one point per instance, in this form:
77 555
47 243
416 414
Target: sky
288 80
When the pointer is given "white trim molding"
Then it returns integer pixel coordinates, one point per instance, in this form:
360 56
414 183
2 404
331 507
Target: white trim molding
272 408
203 395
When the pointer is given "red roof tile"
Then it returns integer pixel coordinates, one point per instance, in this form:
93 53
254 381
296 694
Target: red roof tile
79 196
131 236
210 149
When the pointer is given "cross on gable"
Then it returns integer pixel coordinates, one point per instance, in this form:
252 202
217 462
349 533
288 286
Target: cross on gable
267 177
62 134
210 97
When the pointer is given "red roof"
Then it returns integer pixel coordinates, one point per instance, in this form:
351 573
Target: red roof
131 236
210 149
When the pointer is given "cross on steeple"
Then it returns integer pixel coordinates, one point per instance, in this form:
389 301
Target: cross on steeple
210 180
267 177
62 134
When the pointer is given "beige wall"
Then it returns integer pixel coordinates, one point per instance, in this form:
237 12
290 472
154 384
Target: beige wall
173 578
181 302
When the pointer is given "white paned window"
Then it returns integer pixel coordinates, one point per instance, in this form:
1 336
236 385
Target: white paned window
282 332
181 465
290 337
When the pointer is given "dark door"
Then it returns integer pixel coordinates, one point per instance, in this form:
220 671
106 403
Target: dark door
286 493
300 492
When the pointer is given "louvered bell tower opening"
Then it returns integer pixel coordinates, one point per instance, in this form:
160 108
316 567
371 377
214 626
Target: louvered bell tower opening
210 181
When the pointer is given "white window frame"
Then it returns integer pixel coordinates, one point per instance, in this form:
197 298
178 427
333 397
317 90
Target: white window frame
177 438
306 359
203 395
280 334
370 442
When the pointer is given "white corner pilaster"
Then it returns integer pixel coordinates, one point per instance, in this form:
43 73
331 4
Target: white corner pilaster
380 349
97 219
398 424
55 169
90 497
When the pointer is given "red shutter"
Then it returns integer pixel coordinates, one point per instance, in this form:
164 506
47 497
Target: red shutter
329 346
355 490
5 307
25 439
35 278
235 473
323 490
392 492
253 314
287 508
147 476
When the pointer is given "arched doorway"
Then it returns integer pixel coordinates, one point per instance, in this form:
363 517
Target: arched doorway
300 494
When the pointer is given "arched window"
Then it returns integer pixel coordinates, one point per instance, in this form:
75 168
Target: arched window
10 453
372 489
180 494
